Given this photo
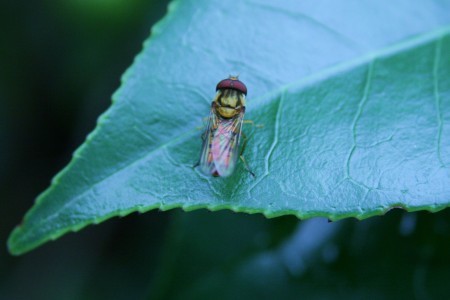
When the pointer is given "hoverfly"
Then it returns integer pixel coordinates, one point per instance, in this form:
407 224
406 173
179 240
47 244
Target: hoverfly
222 137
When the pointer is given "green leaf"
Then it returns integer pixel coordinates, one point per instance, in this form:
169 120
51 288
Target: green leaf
354 99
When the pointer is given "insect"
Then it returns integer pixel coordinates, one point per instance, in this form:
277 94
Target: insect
222 137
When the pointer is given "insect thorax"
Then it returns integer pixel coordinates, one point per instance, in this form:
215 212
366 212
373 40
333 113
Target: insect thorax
229 102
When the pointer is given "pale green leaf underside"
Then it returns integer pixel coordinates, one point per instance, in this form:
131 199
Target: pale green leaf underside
356 117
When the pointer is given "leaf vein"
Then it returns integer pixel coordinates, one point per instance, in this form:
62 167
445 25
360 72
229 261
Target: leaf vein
358 114
274 142
437 55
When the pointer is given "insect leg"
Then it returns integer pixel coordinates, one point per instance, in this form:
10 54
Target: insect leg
246 166
244 144
253 123
241 156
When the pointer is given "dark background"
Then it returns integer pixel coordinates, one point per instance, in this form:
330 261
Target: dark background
60 62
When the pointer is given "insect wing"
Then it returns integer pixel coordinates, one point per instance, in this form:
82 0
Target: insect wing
225 145
221 145
206 159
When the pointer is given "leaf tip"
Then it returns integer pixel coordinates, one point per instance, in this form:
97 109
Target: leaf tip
12 244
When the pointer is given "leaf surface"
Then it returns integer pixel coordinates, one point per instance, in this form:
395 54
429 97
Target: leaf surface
354 99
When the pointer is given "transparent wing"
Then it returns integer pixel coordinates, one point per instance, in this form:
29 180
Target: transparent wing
220 151
206 159
225 145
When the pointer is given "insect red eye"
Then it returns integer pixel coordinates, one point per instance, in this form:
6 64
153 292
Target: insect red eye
232 83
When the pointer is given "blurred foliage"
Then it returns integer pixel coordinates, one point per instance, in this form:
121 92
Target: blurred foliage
396 256
60 62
